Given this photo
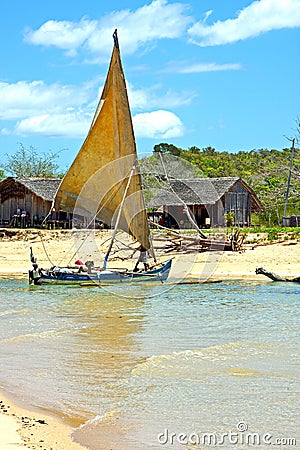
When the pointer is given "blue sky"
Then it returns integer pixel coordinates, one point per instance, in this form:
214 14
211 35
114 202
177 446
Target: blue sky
199 73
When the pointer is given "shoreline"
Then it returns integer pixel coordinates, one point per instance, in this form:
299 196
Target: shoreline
32 428
64 248
23 427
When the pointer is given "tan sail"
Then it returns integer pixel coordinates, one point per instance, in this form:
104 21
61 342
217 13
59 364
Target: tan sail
95 183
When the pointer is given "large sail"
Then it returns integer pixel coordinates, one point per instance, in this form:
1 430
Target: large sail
95 184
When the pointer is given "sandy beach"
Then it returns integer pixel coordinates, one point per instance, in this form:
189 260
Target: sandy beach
52 247
21 428
34 430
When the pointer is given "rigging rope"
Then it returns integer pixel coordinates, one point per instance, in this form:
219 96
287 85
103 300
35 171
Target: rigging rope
107 201
186 208
41 236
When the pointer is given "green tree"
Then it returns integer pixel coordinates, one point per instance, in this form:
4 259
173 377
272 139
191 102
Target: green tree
30 163
167 148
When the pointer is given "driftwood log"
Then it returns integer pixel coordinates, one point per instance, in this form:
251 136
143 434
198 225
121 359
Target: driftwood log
273 276
181 241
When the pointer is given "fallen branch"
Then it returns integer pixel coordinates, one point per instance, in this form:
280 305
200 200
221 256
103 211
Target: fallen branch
273 276
234 243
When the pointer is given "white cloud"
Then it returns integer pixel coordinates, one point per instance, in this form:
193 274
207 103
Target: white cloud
259 17
49 110
157 125
151 22
153 97
22 99
65 35
66 111
5 132
56 125
204 67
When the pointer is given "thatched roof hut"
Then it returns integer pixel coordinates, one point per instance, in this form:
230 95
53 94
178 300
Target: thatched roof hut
26 200
209 199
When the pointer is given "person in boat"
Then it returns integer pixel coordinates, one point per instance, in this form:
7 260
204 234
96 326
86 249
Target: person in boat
80 265
142 259
35 274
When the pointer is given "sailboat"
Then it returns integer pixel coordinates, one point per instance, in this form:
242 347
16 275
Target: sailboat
104 182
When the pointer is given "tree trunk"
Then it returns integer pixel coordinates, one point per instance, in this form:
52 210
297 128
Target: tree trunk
273 276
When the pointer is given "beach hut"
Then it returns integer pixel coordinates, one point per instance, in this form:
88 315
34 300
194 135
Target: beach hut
212 201
27 201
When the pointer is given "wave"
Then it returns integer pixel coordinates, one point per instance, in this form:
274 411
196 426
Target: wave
206 361
14 311
108 416
93 421
35 336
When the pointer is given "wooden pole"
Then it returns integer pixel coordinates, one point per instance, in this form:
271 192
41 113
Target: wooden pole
185 207
289 177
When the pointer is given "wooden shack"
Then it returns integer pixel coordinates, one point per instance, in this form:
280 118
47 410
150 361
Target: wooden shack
26 202
212 201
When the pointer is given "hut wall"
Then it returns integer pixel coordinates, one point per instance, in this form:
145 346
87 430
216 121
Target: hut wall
216 213
202 215
7 211
37 207
174 216
33 205
238 200
10 207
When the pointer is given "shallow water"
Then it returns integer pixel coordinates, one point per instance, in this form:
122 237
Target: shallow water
135 364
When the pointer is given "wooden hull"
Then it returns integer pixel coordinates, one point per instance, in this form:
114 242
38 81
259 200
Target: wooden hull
63 277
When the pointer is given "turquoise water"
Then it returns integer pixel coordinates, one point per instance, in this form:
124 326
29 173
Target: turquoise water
182 359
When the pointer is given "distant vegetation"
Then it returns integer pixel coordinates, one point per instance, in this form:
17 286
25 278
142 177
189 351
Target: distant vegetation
30 163
272 234
265 171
